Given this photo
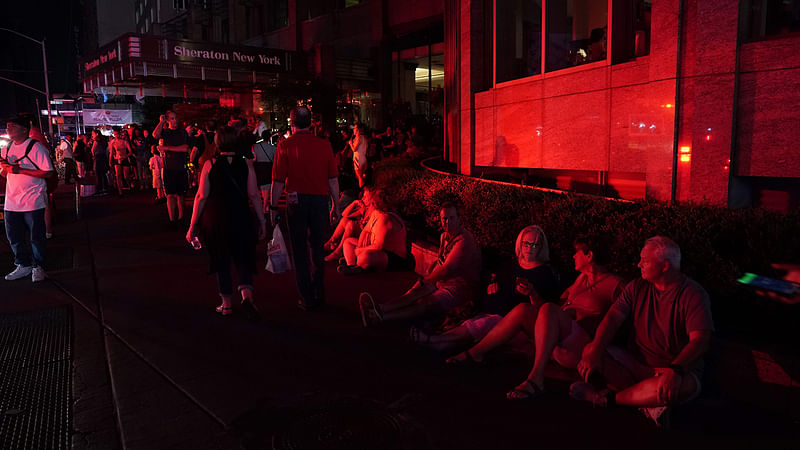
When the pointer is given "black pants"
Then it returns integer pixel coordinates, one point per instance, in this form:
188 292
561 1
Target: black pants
308 226
70 170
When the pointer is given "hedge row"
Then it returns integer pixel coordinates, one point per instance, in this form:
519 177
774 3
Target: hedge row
718 244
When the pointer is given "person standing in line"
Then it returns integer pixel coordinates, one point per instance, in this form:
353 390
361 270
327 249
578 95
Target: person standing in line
100 158
119 158
360 144
305 166
175 151
26 164
64 154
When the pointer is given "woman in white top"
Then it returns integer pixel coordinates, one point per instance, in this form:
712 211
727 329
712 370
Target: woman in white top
359 144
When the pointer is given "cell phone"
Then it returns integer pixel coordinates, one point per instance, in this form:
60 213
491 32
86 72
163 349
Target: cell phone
770 284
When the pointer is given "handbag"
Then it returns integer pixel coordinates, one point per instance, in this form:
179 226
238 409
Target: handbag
278 260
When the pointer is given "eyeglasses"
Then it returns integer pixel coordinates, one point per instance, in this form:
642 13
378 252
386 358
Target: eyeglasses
530 244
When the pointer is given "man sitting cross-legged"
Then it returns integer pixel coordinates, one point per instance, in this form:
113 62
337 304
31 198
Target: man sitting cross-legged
662 363
382 244
450 282
558 331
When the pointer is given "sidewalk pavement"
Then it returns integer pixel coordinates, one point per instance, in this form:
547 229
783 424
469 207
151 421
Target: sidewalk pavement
155 367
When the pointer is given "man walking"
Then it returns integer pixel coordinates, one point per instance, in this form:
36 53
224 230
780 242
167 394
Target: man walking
26 164
176 153
305 165
65 155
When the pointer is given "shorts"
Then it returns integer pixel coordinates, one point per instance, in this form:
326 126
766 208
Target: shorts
121 162
442 300
641 371
397 263
175 182
157 183
567 352
480 325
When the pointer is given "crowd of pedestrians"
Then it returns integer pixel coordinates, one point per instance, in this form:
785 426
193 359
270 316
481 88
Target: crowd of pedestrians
459 306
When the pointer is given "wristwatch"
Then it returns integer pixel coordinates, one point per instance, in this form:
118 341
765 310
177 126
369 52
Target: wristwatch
678 369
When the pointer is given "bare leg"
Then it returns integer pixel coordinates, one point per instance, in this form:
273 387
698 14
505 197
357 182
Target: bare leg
645 393
373 259
521 319
349 248
450 339
180 199
172 206
411 297
552 325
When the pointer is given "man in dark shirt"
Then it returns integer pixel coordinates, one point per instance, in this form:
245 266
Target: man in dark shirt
662 363
176 152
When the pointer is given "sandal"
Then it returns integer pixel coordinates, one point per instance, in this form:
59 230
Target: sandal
370 312
520 393
224 310
467 360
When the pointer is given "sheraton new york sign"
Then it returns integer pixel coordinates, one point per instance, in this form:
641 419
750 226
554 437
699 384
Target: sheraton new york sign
154 49
235 56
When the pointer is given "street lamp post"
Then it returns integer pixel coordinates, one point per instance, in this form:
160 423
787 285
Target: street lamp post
46 79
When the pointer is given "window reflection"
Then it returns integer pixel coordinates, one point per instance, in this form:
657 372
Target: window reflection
576 32
771 17
518 39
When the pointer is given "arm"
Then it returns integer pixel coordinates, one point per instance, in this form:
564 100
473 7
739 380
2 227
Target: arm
275 197
16 169
255 199
199 201
183 148
159 127
592 358
451 263
668 390
333 184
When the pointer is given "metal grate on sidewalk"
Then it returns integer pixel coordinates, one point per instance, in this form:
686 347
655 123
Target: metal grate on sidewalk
35 379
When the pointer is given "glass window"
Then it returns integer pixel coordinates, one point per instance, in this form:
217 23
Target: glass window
348 3
518 39
577 31
771 17
278 14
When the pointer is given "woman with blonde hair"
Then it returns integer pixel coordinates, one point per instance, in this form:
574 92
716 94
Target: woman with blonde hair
529 280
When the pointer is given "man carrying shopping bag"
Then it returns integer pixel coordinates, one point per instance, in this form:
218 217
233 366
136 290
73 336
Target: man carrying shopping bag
305 165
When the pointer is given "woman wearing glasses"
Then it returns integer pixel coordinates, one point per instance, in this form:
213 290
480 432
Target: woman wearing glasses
528 280
562 331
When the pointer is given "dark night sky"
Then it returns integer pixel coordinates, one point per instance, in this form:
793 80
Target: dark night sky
59 23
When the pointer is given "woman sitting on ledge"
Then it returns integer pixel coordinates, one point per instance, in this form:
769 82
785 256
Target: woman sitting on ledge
558 330
529 281
382 244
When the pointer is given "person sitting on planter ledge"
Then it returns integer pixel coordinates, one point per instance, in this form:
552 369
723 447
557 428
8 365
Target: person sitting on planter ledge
672 326
557 331
382 244
450 282
529 281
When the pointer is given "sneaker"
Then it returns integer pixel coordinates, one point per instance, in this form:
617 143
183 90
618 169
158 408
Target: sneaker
349 270
659 415
19 272
38 274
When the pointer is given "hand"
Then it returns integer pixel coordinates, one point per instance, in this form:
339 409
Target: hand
591 361
335 214
262 230
273 217
162 119
7 168
669 385
190 234
524 287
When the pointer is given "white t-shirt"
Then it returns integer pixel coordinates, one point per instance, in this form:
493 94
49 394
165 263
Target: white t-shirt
65 149
23 192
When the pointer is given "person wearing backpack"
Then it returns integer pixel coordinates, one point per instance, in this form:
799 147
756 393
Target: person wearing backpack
26 164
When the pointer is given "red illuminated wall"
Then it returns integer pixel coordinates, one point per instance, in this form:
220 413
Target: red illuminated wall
620 118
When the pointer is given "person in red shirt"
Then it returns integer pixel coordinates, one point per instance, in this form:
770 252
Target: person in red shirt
304 164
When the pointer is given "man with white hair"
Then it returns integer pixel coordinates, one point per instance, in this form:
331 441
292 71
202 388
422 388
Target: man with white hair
662 363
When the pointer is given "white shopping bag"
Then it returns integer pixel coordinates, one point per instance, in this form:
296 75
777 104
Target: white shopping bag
278 260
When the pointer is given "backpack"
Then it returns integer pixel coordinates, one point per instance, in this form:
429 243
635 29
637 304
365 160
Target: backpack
52 180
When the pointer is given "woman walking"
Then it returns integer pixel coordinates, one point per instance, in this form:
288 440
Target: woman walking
222 220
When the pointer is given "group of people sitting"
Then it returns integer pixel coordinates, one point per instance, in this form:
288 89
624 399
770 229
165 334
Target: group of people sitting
654 364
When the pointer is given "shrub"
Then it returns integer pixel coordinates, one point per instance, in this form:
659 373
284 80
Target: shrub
717 244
